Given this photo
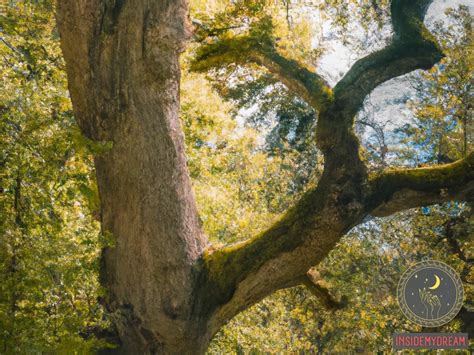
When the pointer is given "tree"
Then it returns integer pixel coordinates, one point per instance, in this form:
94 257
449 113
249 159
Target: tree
168 291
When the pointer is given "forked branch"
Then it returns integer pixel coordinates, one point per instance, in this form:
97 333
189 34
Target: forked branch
413 47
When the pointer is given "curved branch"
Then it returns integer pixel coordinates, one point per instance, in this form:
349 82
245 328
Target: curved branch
319 288
245 49
397 190
234 277
413 47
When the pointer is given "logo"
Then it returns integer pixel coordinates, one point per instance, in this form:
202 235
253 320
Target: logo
430 341
430 293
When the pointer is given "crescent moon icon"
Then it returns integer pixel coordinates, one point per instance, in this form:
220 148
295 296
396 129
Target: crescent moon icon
436 284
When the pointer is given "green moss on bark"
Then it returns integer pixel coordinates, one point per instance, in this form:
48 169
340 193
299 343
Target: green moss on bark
444 180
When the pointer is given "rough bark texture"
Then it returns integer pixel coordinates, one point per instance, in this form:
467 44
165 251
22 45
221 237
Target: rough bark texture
166 292
123 69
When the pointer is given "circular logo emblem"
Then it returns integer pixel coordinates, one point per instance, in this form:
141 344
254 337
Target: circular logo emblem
430 293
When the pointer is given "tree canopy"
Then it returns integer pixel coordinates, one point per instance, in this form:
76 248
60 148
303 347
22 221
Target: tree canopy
302 186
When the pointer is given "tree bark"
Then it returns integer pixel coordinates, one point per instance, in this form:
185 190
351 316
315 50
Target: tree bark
167 293
123 69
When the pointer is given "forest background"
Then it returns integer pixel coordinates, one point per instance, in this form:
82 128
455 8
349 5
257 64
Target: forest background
251 154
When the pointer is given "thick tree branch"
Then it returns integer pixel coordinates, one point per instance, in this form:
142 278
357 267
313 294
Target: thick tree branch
245 49
413 47
243 274
397 190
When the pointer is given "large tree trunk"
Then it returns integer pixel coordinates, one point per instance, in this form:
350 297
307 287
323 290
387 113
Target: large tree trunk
123 69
